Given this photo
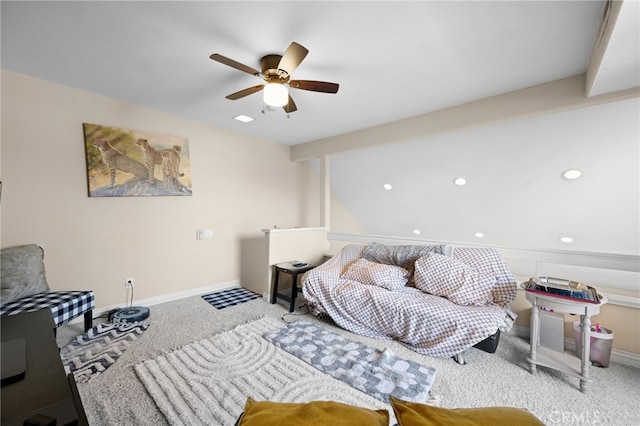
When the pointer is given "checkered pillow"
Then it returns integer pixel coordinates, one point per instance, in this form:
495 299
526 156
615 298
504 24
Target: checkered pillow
372 273
488 261
443 276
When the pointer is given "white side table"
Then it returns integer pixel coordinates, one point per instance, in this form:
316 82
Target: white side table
539 355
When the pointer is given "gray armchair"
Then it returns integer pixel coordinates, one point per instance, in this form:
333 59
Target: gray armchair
25 288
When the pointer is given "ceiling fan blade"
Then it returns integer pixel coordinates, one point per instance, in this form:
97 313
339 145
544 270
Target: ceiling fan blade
245 92
234 64
291 106
315 86
292 57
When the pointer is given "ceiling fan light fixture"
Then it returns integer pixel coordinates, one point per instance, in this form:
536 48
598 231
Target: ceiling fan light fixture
276 94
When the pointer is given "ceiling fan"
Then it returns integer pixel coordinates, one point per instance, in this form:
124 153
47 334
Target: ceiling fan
276 71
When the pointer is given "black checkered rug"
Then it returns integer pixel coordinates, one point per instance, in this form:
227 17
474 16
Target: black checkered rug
233 296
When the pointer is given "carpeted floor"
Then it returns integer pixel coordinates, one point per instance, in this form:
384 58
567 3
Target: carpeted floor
207 382
118 397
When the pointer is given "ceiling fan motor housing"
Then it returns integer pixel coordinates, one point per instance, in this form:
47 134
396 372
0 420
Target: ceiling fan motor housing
269 65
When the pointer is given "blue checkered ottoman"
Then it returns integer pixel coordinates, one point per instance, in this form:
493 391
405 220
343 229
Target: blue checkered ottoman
64 306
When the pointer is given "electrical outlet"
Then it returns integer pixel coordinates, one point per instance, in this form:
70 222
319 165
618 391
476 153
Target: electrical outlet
128 283
202 234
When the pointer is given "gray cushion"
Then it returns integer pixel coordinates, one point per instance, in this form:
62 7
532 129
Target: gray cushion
403 256
22 272
364 271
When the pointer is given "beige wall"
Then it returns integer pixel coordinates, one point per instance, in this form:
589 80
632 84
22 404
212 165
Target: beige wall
283 245
240 186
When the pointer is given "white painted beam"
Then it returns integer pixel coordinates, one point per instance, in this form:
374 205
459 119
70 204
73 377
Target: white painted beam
555 96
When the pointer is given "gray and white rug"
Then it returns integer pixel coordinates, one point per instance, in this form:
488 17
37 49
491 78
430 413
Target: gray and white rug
208 382
376 373
96 350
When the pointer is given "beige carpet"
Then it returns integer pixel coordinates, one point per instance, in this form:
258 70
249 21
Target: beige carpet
118 397
207 382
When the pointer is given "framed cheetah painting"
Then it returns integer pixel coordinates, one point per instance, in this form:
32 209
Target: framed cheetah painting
135 163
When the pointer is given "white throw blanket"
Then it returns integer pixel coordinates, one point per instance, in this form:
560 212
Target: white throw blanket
430 325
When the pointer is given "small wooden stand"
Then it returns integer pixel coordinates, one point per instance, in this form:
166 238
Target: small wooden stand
287 268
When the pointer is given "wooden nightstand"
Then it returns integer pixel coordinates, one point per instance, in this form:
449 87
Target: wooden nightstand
293 271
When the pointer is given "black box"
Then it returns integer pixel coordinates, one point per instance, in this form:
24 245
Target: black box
490 344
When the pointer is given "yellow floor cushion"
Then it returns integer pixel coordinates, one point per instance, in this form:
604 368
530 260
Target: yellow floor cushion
415 414
266 413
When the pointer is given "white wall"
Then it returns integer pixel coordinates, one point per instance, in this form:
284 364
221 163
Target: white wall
515 194
240 186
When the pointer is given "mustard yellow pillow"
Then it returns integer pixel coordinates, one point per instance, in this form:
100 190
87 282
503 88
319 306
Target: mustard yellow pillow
415 414
266 413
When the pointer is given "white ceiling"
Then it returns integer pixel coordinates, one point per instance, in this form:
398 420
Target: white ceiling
392 59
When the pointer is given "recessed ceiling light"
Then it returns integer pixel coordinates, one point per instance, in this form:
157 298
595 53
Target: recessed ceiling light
416 231
566 240
571 174
460 181
388 186
243 118
478 235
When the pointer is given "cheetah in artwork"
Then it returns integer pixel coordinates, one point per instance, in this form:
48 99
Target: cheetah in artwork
178 149
169 176
153 157
115 161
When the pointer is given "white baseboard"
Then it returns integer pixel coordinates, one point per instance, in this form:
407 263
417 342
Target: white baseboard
166 298
618 356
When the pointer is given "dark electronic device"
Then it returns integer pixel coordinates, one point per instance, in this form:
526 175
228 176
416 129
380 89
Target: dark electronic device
131 314
40 420
14 360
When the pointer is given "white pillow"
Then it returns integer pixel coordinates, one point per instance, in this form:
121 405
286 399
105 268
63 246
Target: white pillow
447 277
371 273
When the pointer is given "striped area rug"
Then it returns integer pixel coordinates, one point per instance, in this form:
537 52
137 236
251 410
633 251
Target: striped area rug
93 352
